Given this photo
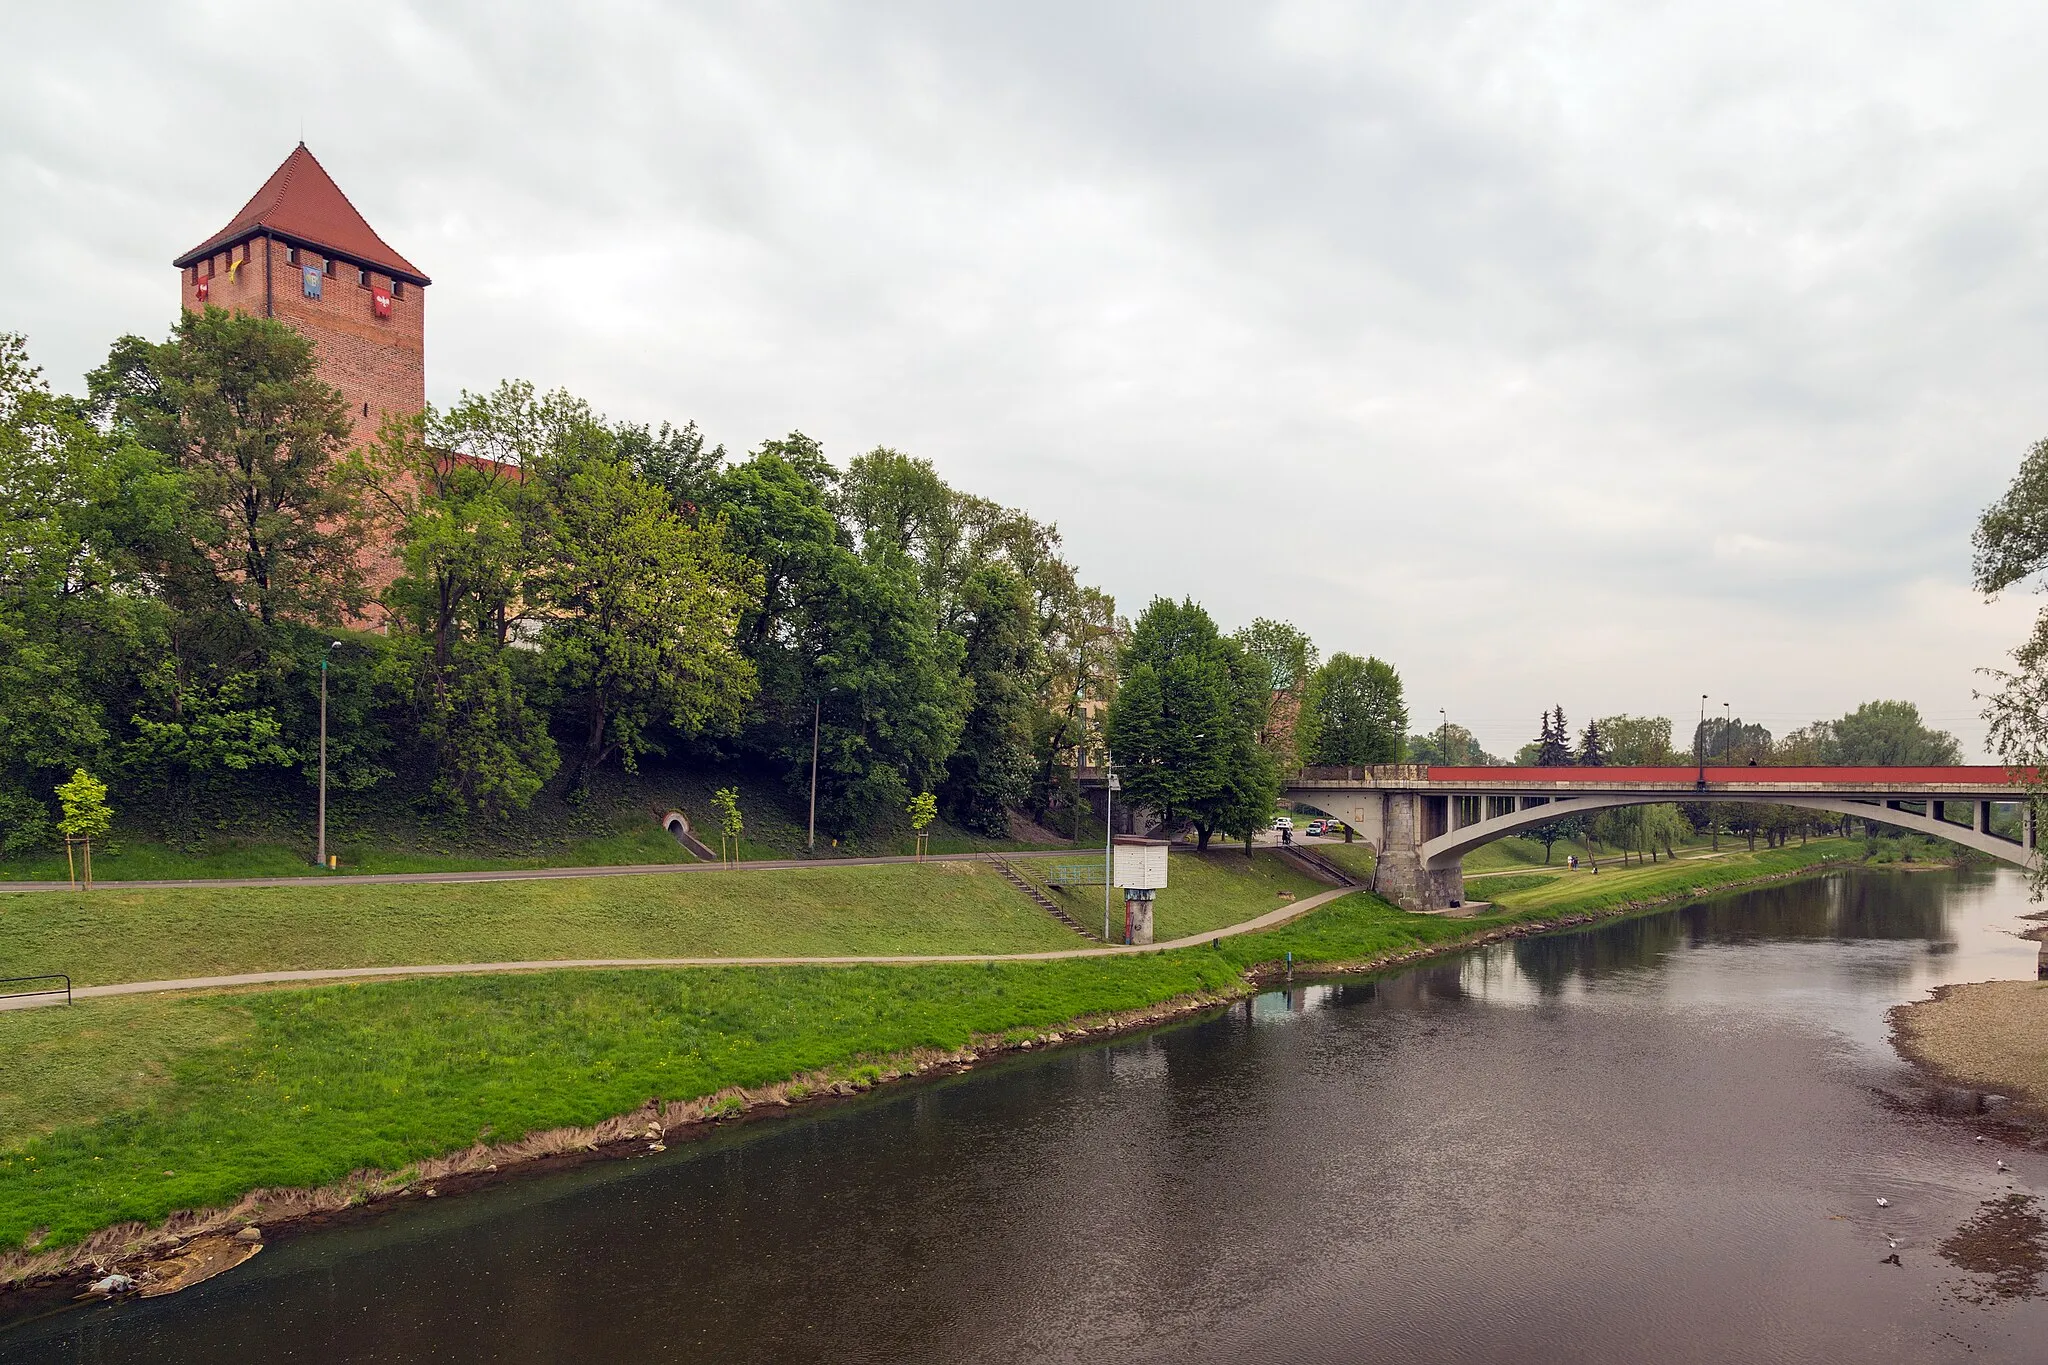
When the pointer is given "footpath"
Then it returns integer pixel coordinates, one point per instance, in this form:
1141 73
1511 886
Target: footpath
1270 919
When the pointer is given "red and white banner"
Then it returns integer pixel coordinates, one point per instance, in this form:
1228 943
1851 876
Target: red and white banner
380 301
203 288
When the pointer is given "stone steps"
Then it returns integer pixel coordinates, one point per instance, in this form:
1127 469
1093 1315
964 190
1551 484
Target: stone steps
1038 897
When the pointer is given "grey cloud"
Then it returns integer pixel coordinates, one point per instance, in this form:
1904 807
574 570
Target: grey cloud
1554 351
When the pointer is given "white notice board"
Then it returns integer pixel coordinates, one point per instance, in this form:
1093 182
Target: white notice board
1139 866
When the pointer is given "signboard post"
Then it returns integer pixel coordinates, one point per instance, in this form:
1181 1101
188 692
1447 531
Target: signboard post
1140 869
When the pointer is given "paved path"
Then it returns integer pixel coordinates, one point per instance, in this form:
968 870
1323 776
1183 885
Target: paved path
201 983
528 874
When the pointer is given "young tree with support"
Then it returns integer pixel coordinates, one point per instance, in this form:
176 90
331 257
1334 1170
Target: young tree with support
730 826
87 817
923 808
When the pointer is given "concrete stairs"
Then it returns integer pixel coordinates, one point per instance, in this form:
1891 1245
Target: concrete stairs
1317 866
1038 897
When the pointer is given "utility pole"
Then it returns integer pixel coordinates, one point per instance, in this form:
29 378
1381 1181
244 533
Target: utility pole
320 839
811 839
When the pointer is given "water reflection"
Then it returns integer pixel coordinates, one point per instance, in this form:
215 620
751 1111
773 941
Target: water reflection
1653 1139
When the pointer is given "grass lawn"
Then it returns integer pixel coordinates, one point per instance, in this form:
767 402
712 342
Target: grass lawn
133 1108
145 935
142 860
1616 885
1203 891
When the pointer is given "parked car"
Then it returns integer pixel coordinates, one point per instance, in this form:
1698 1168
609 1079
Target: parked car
1334 829
1283 822
1316 826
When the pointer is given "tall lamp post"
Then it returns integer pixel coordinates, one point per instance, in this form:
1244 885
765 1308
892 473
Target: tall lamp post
1699 743
320 840
817 713
1108 831
1443 740
1727 736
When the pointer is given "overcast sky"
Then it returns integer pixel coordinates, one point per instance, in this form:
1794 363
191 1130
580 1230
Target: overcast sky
1597 354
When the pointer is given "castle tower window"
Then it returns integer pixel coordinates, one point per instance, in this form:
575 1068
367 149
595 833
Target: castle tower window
331 263
362 277
397 289
291 255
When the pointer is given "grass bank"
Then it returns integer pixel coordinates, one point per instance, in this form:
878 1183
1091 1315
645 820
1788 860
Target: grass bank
126 1111
1616 887
108 936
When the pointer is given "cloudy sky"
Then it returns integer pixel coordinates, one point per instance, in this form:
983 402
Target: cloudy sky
1600 354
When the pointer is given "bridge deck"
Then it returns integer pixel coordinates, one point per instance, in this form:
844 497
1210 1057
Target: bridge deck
1977 779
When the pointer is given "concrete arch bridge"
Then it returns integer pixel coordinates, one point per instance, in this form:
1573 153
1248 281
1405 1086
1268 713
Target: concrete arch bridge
1422 821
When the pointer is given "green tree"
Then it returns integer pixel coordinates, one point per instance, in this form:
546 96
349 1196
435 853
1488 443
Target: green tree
1353 712
258 433
638 609
987 773
726 800
1183 725
923 809
1451 745
87 816
1638 741
1553 744
1283 660
1592 746
1890 734
849 634
448 487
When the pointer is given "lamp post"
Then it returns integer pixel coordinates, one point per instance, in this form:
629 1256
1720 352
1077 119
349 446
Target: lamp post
811 838
1727 739
1108 831
320 839
1699 743
1443 741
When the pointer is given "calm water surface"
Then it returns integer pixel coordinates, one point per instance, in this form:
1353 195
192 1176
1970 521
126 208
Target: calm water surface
1659 1139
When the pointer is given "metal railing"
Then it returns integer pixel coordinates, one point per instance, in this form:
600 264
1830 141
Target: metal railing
64 990
1076 874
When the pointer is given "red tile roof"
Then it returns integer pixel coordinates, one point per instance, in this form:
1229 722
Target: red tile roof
301 204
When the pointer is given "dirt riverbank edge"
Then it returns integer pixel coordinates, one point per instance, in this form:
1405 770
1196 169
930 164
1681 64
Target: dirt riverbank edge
31 1279
1981 1035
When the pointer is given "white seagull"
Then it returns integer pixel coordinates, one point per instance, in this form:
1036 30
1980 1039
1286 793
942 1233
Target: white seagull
1883 1202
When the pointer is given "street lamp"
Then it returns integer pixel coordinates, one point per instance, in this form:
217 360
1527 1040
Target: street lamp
320 842
1726 738
1443 741
1699 742
1108 829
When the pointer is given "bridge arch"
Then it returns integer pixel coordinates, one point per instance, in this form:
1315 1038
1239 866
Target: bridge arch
1446 851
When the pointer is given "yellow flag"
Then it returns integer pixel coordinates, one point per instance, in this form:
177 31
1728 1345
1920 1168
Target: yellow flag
234 266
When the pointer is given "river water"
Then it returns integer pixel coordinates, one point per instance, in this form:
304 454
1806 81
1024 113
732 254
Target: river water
1658 1139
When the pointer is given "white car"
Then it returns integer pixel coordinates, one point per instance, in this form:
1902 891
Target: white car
1283 822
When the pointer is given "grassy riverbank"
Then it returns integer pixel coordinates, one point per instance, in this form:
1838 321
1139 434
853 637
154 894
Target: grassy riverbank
1989 1034
950 907
131 1109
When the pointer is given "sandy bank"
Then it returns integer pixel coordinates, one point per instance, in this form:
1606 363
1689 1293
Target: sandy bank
1992 1035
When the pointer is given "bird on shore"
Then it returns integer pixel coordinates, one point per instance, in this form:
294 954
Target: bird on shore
1980 1137
2002 1166
1883 1202
1891 1241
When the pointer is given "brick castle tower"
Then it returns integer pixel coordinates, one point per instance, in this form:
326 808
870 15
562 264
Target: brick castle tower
298 251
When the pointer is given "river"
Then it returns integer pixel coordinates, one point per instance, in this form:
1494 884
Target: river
1661 1138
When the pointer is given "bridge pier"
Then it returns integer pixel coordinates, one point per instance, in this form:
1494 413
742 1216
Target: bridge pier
1403 877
